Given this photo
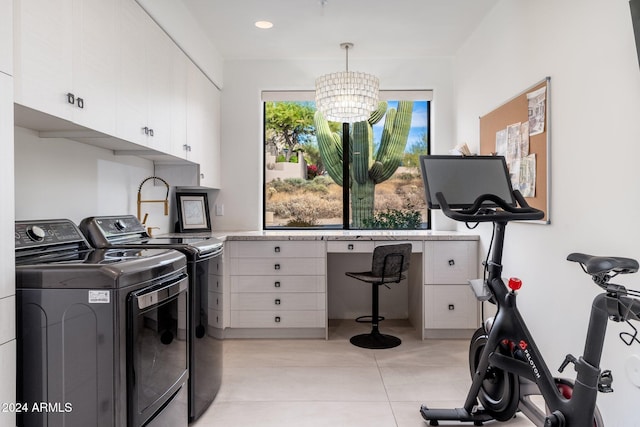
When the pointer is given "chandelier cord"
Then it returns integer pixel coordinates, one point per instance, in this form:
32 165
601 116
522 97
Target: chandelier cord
346 49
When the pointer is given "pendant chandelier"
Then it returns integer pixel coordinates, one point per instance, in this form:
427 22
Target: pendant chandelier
347 96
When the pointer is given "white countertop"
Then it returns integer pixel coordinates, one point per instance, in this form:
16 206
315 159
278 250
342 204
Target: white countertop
317 234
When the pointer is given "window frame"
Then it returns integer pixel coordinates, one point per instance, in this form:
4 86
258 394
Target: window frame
302 96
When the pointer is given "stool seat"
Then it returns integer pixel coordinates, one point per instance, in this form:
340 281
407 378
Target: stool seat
389 264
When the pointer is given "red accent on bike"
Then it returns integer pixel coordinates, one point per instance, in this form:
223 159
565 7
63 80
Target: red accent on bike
523 344
515 283
565 390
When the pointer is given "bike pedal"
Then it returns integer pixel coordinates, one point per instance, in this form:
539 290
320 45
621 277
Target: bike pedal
605 381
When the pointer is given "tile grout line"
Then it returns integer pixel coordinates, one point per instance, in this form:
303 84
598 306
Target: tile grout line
386 392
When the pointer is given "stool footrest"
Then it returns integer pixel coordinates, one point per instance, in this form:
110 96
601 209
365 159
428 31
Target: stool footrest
368 319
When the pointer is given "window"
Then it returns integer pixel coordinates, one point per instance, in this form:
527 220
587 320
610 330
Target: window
303 164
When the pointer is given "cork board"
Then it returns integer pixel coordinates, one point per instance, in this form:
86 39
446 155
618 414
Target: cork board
500 133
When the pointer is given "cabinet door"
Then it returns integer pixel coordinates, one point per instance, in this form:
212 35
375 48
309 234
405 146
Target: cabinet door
132 86
95 64
43 61
6 37
7 264
179 64
203 129
159 88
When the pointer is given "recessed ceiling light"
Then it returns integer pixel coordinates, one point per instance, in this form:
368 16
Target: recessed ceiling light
264 24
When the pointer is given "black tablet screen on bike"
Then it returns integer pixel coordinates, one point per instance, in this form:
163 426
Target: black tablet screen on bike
462 179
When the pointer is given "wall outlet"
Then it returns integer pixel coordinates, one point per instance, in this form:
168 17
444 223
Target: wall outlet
219 210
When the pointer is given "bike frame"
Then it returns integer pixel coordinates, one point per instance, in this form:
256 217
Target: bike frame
509 325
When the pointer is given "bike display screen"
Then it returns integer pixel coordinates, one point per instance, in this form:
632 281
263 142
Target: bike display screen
463 179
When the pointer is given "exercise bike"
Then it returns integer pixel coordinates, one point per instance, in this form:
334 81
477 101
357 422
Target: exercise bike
506 366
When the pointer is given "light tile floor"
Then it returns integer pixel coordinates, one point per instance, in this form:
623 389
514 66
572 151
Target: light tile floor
318 383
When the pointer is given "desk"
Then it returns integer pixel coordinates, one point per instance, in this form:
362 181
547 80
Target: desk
288 284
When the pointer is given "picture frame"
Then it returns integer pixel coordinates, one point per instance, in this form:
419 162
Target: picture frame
193 212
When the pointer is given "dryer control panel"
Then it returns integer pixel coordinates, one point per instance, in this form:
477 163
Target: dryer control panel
47 233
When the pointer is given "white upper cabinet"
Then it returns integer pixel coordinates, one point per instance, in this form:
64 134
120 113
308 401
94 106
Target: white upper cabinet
65 59
203 126
145 86
6 37
179 67
43 57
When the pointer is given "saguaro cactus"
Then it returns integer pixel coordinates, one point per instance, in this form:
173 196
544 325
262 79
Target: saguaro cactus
367 168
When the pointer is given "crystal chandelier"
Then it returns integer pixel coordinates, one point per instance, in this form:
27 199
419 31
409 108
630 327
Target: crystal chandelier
347 96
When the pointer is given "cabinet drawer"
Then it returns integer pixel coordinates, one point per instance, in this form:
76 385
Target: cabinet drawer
450 307
276 283
215 318
215 283
277 266
276 249
278 319
450 262
348 246
215 301
278 301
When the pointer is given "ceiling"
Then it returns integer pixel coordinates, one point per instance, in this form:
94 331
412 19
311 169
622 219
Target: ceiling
315 28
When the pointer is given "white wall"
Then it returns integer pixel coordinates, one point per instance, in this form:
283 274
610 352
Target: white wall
242 142
588 50
60 178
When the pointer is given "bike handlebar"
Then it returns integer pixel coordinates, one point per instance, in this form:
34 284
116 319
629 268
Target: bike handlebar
478 213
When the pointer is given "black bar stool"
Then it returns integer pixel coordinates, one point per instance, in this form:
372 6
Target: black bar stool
390 262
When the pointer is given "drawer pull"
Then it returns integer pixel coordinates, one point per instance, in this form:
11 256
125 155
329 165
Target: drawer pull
277 266
350 246
276 284
277 301
277 319
451 307
276 249
452 262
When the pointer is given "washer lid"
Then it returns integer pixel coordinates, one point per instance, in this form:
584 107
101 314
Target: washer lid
98 268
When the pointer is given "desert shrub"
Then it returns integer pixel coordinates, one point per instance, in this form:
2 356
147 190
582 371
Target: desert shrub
406 176
395 219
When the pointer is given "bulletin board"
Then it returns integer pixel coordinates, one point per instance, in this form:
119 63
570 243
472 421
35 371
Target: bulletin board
502 132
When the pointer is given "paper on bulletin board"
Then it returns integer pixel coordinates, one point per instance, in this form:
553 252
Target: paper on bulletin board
513 143
536 102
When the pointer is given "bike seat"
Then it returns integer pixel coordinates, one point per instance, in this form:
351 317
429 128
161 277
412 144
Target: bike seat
604 264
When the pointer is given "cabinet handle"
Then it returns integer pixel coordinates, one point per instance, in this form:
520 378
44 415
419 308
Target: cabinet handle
71 99
146 130
451 307
150 132
277 301
277 266
350 246
452 262
277 319
201 175
276 284
80 102
276 249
